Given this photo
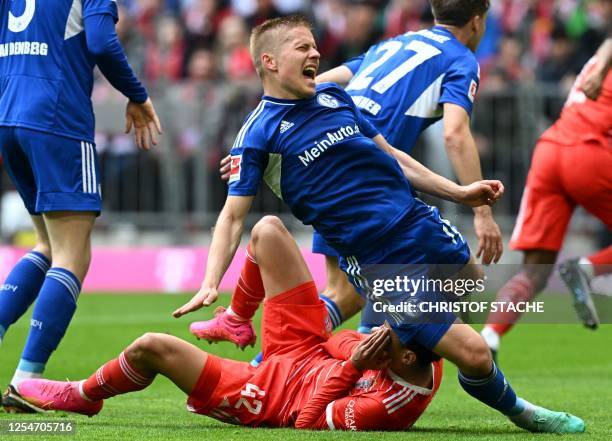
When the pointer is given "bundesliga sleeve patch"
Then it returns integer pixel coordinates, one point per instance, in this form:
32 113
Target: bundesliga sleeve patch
472 91
235 169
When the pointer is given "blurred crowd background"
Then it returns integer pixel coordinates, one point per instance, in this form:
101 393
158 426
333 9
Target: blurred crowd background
193 56
170 41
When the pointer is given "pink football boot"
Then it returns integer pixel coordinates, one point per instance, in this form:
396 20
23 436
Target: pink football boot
224 327
57 395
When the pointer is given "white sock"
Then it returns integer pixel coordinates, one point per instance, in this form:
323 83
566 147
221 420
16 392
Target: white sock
234 315
491 337
23 375
82 392
587 267
525 416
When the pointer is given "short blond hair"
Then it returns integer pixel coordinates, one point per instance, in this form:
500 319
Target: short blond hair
263 36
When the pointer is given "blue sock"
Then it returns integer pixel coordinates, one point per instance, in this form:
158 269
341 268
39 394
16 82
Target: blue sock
52 314
334 316
21 288
332 310
258 359
493 390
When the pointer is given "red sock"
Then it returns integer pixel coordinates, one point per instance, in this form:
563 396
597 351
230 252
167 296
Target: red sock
517 289
116 377
602 261
249 292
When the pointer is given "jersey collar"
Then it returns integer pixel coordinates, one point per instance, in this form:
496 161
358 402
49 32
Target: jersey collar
418 389
441 30
284 101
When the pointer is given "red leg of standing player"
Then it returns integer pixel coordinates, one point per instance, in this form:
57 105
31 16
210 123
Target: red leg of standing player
278 250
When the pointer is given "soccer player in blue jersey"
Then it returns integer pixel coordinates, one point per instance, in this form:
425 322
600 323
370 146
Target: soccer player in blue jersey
337 173
403 85
48 50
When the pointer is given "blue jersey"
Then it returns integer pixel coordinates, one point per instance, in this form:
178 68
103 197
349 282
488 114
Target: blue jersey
400 84
318 156
46 70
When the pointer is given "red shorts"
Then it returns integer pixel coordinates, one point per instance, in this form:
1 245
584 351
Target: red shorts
560 178
293 324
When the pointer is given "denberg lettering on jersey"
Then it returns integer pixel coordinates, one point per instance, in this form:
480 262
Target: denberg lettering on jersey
36 48
328 140
367 104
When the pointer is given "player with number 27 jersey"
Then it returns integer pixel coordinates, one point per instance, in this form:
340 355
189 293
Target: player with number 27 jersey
401 84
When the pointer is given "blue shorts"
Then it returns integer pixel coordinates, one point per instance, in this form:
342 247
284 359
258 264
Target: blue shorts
319 246
423 247
51 172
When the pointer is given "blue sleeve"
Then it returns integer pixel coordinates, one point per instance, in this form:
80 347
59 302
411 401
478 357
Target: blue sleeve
460 83
249 161
103 44
355 63
365 125
93 7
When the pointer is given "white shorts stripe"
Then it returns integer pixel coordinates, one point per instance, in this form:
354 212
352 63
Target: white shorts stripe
329 416
89 168
94 188
84 167
520 219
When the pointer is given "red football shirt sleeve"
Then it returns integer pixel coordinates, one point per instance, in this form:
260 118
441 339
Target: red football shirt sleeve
337 386
341 344
356 413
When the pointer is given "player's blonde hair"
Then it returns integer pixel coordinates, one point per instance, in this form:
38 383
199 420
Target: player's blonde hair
267 36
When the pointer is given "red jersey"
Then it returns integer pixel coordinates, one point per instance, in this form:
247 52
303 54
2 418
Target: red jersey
583 119
318 389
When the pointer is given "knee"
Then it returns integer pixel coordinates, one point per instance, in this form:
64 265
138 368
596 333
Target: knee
268 227
149 346
476 357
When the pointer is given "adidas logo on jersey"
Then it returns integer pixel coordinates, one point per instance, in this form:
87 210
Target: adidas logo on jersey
285 125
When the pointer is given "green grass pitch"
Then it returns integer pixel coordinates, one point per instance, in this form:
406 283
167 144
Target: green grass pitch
561 366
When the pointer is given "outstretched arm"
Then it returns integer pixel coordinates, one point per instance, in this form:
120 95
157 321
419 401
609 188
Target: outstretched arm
225 241
485 192
463 154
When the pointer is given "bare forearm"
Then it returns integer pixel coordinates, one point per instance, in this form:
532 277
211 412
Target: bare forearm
225 241
340 75
423 179
463 155
605 56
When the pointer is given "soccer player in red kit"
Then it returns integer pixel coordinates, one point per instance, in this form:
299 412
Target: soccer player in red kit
571 166
307 379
